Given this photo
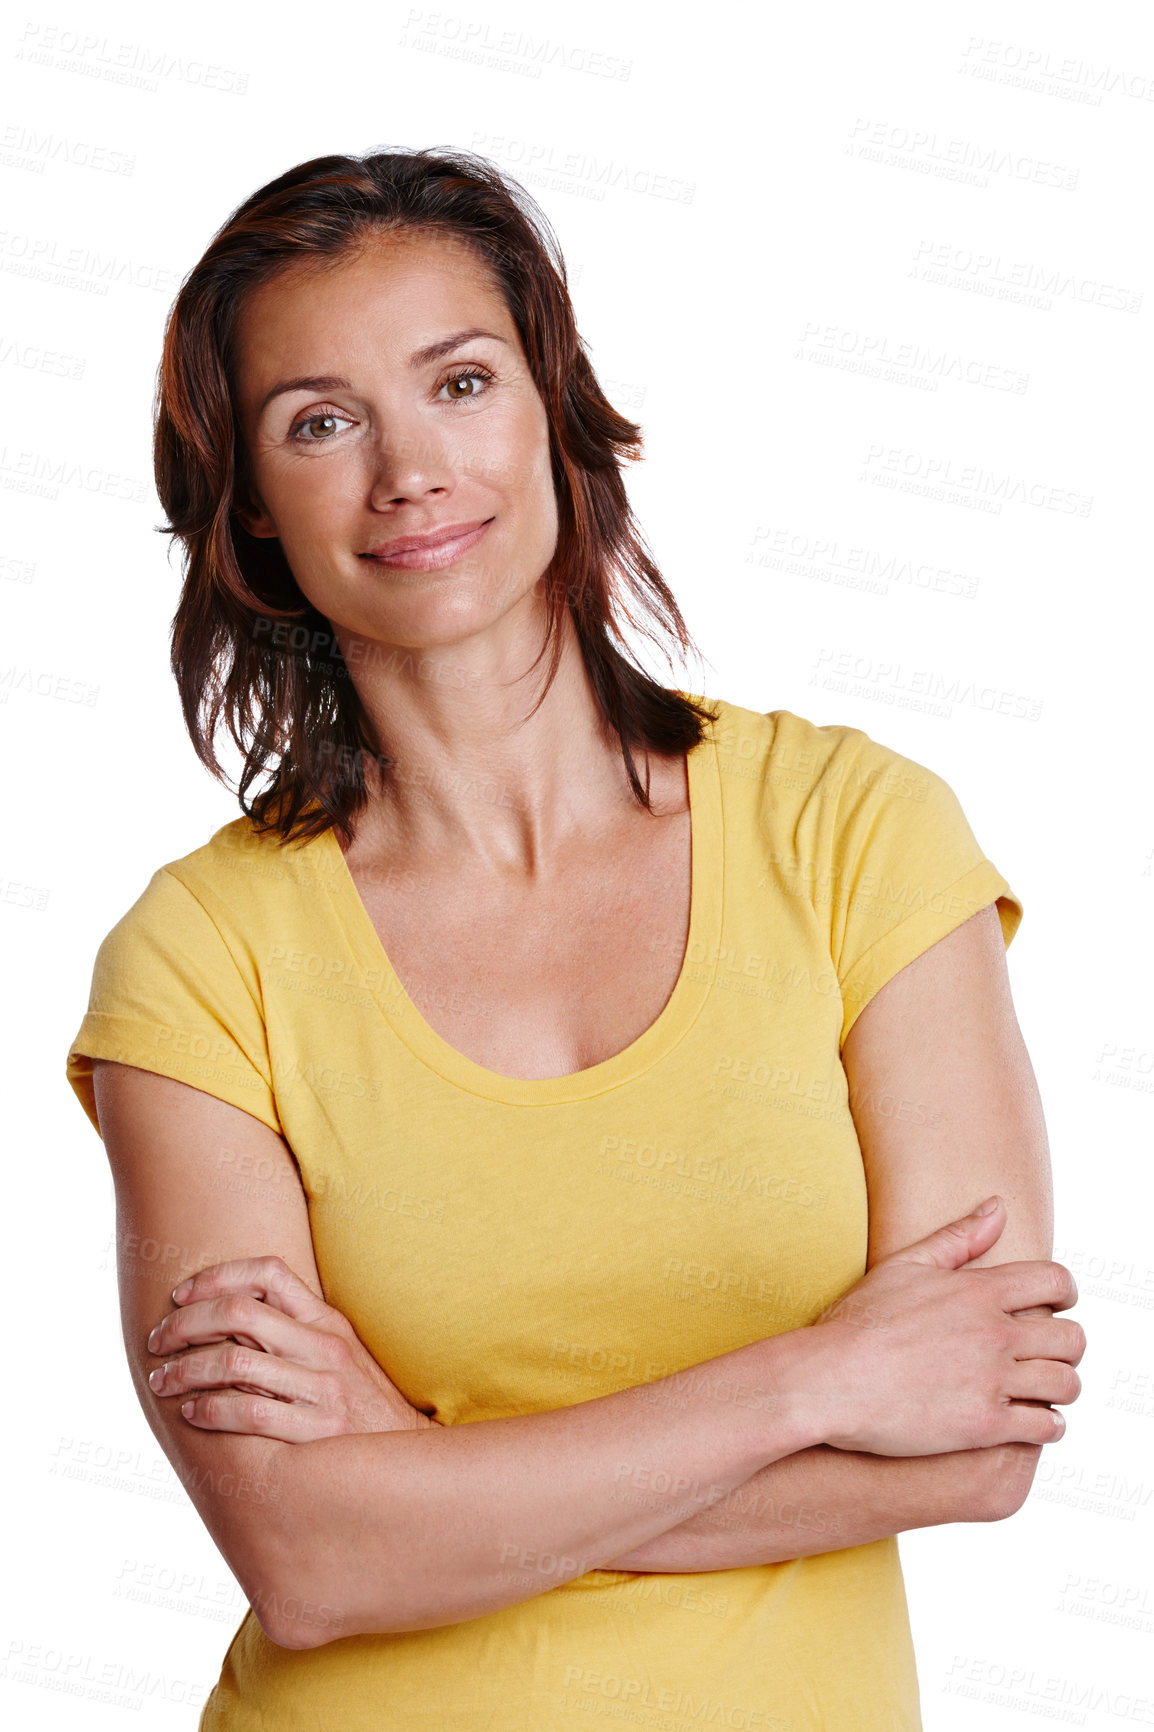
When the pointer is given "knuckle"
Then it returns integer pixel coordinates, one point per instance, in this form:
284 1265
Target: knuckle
237 1359
1063 1282
238 1308
336 1352
331 1391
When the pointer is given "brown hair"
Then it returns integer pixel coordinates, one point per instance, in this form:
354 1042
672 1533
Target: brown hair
296 717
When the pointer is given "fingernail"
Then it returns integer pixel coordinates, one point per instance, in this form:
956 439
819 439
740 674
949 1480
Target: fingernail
181 1292
988 1207
186 1408
154 1339
156 1378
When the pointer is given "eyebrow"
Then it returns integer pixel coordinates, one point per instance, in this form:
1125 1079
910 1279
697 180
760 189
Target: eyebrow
419 358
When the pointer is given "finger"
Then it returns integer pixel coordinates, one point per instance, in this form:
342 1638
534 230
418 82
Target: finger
1021 1423
266 1278
958 1242
1050 1338
256 1416
240 1317
1049 1380
1020 1285
230 1366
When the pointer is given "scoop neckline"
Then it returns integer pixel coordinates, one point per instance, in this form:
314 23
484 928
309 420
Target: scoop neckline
673 1022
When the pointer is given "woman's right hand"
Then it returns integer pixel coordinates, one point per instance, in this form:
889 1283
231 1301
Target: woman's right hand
924 1356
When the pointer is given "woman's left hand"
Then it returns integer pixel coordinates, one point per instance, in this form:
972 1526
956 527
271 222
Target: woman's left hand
252 1349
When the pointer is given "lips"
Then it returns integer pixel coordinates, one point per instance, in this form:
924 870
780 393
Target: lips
429 552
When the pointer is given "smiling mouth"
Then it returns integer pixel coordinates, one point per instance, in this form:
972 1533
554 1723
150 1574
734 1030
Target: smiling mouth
431 552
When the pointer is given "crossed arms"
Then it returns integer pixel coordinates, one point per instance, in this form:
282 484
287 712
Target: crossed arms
383 1520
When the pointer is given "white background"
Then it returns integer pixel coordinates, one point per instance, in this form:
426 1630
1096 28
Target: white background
877 283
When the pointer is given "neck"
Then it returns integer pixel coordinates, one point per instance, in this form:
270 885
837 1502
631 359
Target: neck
474 773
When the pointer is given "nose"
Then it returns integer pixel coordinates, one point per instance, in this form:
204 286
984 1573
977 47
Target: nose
408 464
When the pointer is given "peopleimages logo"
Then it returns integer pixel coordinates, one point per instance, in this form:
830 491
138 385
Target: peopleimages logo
1022 281
958 159
890 682
574 171
876 355
46 258
32 358
27 148
1040 69
939 477
42 475
481 43
852 565
132 64
1007 1684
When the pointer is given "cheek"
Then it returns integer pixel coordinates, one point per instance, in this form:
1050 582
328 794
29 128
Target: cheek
536 509
532 470
312 497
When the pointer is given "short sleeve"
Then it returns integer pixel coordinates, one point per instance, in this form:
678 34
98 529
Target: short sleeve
170 996
906 868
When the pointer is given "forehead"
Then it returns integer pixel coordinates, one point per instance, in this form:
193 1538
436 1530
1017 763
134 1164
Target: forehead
401 289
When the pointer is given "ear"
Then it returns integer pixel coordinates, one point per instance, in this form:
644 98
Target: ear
254 518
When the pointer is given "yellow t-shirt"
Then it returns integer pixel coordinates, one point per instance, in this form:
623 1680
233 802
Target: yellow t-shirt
507 1246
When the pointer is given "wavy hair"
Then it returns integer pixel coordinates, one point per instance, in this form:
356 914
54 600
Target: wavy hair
296 717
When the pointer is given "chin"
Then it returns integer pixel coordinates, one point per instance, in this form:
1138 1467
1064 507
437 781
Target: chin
452 615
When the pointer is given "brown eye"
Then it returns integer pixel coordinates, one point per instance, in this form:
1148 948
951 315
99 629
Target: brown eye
317 429
462 386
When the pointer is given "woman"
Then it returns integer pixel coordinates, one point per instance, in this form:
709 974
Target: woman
583 1043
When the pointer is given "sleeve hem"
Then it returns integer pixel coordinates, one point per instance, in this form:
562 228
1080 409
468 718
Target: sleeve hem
124 1041
914 935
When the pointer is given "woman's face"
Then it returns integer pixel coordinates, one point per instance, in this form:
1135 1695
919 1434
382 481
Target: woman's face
385 400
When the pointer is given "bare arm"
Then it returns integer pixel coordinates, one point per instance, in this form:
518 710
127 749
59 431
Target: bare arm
394 1529
400 1530
947 1111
